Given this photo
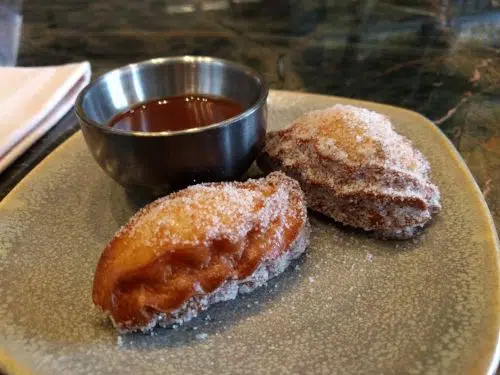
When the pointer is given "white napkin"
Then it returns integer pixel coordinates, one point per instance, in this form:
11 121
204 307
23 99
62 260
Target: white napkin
33 100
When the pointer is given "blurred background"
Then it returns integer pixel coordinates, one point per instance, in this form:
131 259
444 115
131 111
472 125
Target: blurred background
338 47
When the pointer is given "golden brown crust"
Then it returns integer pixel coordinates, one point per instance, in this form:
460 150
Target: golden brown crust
356 169
191 242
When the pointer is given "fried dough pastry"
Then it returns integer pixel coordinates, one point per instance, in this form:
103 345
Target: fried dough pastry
354 168
199 246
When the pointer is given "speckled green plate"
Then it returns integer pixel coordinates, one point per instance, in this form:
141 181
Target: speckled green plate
353 305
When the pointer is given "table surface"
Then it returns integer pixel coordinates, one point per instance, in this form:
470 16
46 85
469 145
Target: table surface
441 61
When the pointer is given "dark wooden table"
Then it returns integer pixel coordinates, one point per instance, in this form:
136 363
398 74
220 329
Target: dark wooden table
440 58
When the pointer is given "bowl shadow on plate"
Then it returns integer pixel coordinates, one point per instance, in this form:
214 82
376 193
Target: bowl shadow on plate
219 319
125 203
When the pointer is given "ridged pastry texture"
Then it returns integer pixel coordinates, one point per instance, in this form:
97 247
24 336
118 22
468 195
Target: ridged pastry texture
355 168
198 246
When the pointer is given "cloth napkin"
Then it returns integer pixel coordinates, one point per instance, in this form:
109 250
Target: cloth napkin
33 100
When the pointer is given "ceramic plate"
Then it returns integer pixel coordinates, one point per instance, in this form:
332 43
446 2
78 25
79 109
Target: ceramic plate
353 305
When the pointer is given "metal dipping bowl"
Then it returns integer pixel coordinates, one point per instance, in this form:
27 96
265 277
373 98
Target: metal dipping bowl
159 162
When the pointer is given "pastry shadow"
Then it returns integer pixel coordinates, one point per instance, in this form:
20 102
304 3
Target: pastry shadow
379 246
220 318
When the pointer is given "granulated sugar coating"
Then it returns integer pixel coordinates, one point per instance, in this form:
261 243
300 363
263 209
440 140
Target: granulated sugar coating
429 307
355 168
198 246
357 136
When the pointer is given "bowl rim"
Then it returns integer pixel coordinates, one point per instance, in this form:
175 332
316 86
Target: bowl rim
263 93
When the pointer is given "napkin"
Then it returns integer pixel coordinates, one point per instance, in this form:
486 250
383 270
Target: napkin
33 100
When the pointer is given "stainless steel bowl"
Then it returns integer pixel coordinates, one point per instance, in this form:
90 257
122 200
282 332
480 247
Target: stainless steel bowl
163 161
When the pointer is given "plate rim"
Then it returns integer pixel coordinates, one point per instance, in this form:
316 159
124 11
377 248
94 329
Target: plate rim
8 363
